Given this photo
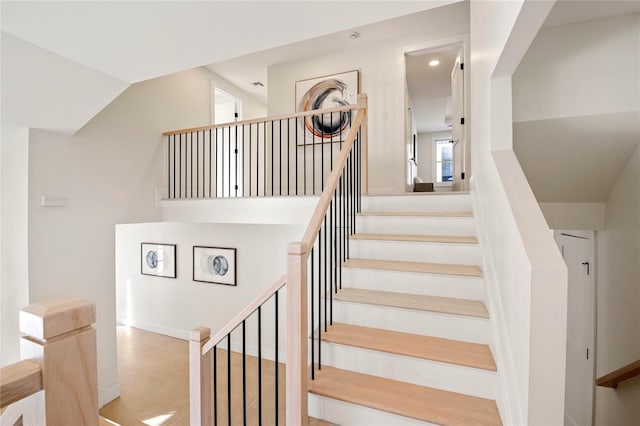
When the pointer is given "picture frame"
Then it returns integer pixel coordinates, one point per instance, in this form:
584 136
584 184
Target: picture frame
158 259
215 265
328 91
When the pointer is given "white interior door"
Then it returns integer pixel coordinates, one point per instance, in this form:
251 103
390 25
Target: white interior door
457 126
229 164
577 251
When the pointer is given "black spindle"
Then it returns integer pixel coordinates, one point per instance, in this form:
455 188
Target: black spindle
276 363
215 385
260 365
229 378
244 375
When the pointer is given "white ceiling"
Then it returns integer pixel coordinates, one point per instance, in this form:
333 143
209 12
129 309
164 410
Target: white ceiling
571 11
242 71
68 60
576 159
430 88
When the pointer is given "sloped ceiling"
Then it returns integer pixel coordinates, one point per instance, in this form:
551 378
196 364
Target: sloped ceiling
88 52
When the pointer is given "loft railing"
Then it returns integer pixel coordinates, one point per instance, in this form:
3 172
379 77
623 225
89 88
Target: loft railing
273 156
59 357
313 269
212 394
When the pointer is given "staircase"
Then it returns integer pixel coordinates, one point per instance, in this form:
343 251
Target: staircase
410 333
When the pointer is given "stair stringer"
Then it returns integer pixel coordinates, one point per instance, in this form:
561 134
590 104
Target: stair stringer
507 400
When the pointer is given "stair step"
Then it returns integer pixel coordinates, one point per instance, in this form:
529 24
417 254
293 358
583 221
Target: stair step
435 201
419 214
427 268
404 399
417 238
445 305
413 345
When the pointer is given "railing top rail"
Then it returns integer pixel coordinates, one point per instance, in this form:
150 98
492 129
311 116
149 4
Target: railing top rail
627 372
244 314
262 119
332 182
19 380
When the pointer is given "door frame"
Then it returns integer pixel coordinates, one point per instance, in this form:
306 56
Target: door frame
593 236
415 49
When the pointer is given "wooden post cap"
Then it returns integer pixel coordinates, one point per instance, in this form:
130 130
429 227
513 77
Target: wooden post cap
298 248
45 320
199 334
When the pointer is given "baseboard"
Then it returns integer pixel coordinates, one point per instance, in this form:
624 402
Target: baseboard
155 328
107 395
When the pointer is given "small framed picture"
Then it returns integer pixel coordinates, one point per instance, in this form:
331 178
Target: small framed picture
158 260
214 265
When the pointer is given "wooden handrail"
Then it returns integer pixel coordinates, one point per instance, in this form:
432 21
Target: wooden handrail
334 178
262 119
627 372
18 381
244 313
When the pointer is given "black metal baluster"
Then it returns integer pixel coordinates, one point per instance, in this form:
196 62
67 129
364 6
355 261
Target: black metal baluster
304 152
197 164
215 385
222 163
272 159
313 334
325 272
236 156
296 144
249 159
319 298
280 154
288 157
260 365
180 167
322 152
215 135
229 378
313 155
174 166
191 163
169 166
244 375
229 184
276 363
264 160
332 259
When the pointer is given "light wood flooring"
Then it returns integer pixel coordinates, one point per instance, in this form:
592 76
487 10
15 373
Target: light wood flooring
153 371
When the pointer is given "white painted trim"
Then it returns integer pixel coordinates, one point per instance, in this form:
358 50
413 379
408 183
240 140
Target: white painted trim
106 395
155 328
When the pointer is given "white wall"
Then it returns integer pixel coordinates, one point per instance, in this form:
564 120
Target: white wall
566 59
251 107
618 293
108 173
382 78
176 306
14 277
584 216
527 279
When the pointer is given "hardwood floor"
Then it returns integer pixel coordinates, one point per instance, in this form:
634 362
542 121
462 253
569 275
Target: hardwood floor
154 384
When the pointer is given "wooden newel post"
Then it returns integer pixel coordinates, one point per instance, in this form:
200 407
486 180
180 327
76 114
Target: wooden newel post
297 335
200 379
60 337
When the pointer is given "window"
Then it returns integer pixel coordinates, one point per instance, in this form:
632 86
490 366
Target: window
444 160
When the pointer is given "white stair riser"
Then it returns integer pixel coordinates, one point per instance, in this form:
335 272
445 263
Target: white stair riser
416 225
439 375
465 254
456 327
414 283
347 414
412 203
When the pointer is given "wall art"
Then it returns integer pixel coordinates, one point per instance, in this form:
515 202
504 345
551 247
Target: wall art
158 260
214 265
326 92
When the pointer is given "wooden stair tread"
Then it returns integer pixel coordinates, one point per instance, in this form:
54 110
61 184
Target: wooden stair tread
425 347
403 266
446 305
420 213
405 399
417 238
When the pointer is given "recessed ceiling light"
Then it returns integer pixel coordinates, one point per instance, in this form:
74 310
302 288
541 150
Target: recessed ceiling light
434 62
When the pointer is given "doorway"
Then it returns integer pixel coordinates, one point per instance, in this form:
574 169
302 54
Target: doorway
577 248
227 108
437 146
